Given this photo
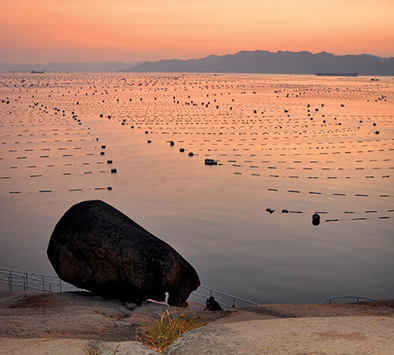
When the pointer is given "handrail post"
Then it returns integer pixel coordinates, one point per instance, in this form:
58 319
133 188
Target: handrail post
10 281
233 302
43 284
60 285
27 282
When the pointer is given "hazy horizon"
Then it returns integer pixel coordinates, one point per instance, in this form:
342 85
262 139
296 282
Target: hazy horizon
192 58
127 31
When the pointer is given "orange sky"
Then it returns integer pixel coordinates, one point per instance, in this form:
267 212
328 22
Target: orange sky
42 31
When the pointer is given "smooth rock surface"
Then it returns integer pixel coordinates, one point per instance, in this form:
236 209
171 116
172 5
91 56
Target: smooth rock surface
96 247
79 323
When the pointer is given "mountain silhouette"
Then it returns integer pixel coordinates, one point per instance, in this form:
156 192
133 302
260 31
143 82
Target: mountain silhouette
274 63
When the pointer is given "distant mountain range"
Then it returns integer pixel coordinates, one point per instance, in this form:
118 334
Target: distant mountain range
274 63
241 62
112 66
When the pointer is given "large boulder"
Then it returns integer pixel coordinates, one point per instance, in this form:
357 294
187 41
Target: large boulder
96 247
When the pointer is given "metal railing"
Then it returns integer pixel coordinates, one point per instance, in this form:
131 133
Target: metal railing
204 292
329 300
29 281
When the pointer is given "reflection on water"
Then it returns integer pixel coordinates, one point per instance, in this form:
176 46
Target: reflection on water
287 147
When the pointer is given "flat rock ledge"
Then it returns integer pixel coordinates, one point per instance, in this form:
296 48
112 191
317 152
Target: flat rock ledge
79 323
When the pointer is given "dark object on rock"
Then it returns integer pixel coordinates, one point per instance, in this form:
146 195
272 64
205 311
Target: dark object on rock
213 305
316 219
96 247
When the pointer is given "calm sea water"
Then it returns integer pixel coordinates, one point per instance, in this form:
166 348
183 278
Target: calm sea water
301 144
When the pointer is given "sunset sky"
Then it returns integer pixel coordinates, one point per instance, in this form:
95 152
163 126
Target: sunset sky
43 31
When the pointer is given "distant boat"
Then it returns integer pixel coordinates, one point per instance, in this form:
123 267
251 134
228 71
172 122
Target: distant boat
319 73
37 72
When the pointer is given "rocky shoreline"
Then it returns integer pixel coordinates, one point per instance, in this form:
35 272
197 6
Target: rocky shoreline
79 323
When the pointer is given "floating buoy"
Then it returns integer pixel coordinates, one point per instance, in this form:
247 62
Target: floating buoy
285 211
191 154
102 153
181 150
210 162
114 171
109 188
270 210
172 143
109 161
316 219
149 141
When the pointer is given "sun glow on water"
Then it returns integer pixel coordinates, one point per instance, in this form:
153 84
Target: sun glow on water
296 145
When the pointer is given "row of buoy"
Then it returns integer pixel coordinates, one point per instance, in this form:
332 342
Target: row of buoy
316 217
317 213
53 165
109 188
332 194
115 113
314 177
55 131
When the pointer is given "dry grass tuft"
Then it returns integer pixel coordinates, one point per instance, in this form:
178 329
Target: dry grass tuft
169 328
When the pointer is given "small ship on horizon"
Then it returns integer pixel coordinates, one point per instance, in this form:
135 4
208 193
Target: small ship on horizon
319 73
